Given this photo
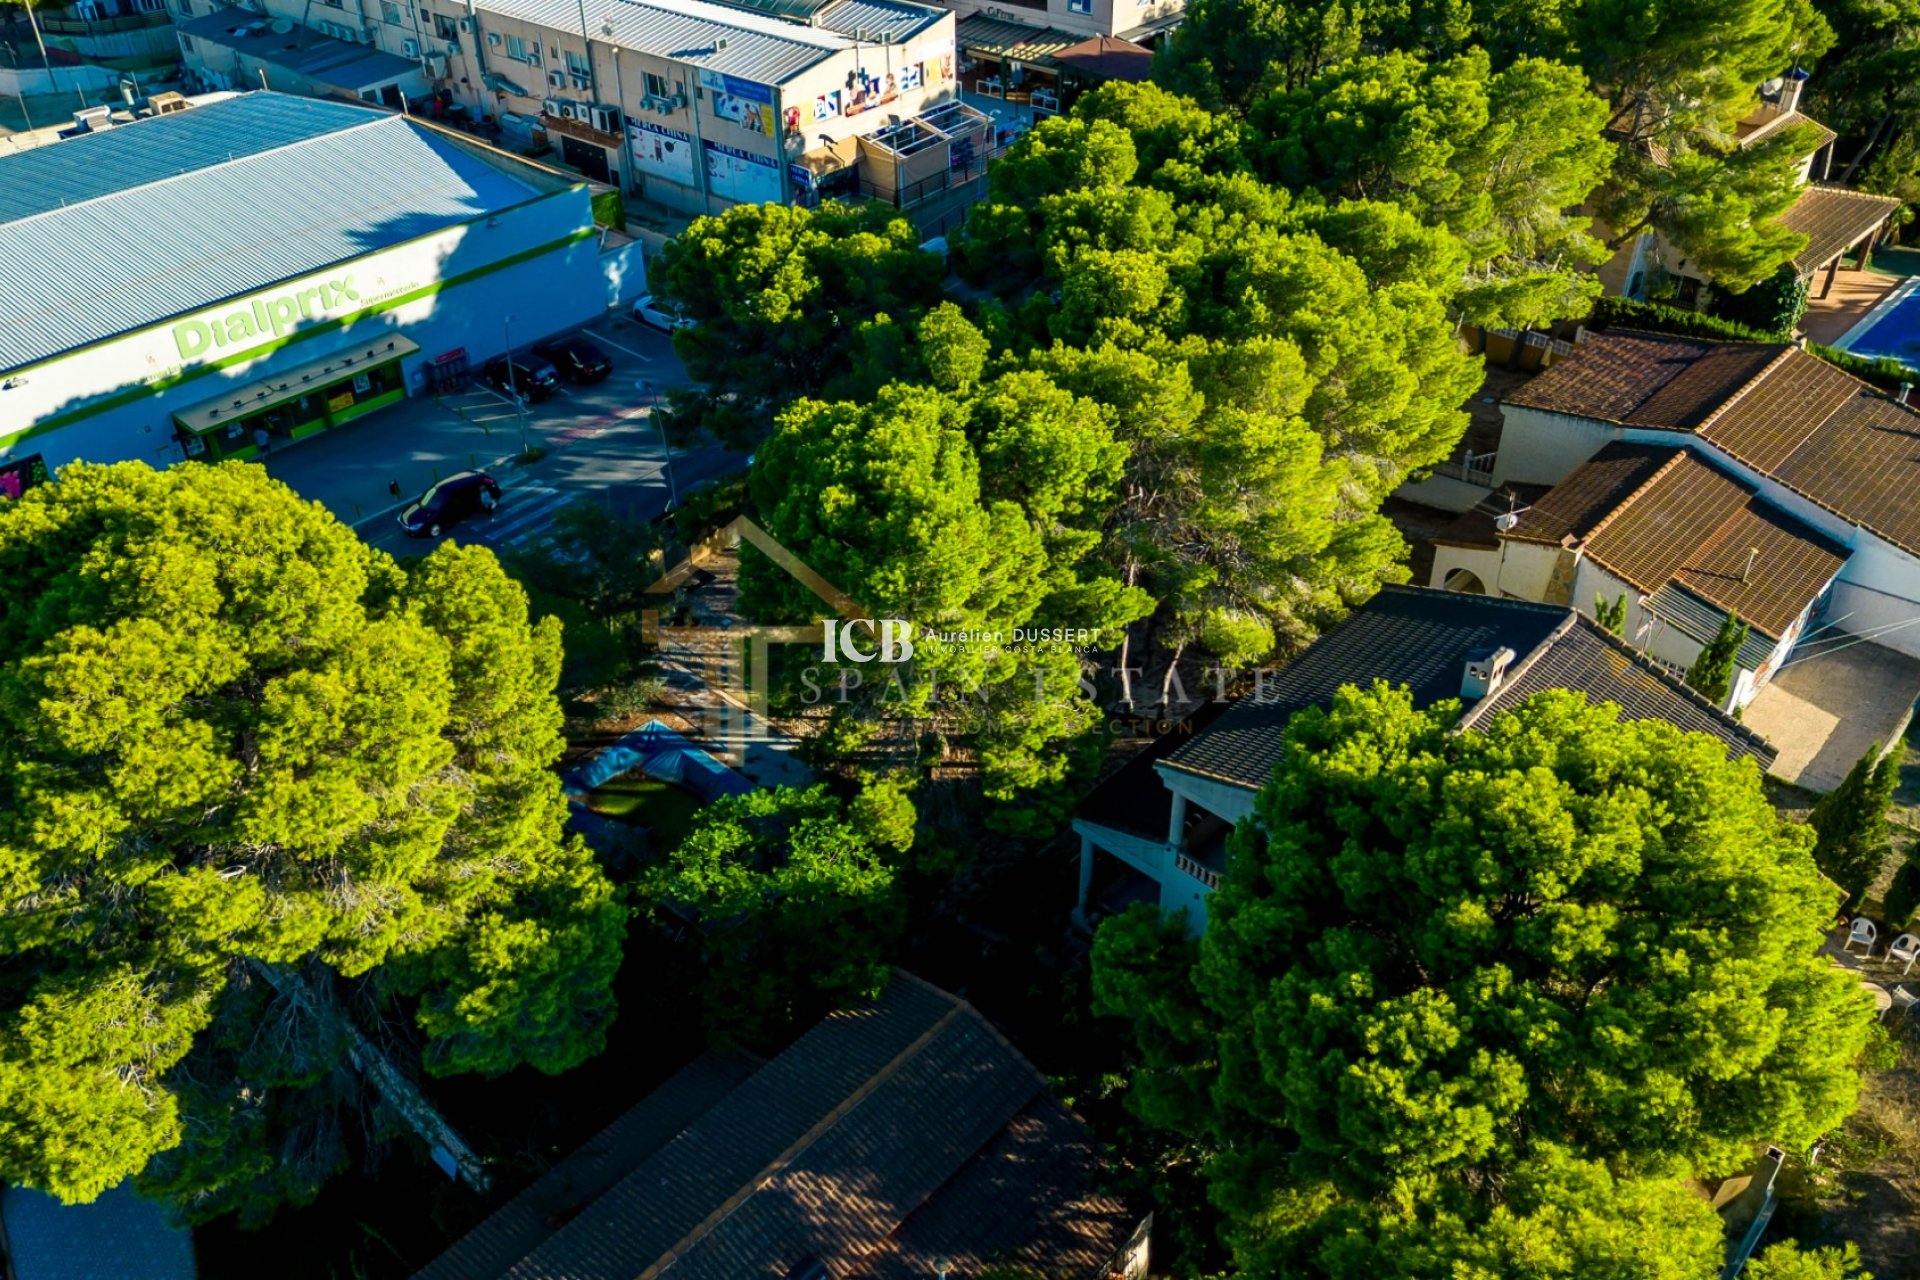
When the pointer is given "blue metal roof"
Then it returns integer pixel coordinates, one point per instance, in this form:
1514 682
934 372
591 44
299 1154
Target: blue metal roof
113 231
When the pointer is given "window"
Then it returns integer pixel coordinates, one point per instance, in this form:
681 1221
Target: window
186 8
658 86
335 4
517 48
186 41
1079 6
577 64
390 13
444 27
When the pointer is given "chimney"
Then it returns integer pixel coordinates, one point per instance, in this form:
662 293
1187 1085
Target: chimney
1753 553
1790 92
1486 668
1906 389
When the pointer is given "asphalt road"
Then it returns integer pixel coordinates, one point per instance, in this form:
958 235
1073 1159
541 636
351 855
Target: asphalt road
600 443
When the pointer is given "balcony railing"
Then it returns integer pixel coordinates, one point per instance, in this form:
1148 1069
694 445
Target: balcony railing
1204 875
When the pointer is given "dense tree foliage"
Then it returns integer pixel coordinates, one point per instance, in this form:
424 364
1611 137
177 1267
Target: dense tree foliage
1851 837
1470 1004
795 907
241 745
1868 88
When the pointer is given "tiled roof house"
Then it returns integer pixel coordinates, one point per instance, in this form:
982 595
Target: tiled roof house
1166 813
1780 470
896 1137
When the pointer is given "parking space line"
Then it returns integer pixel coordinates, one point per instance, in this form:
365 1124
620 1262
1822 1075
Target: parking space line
638 355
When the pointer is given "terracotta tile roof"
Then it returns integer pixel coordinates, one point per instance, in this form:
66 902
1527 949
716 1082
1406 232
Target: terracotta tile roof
1834 219
1420 638
1823 433
1774 415
1695 525
1573 507
886 1111
1646 380
1863 464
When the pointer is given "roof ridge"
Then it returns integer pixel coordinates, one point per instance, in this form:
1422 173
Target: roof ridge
1484 707
1600 525
375 118
1779 359
1681 687
794 1149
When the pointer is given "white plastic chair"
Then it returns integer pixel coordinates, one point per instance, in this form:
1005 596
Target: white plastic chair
1863 933
1904 1000
1905 947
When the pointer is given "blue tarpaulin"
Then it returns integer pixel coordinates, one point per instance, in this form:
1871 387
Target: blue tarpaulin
661 754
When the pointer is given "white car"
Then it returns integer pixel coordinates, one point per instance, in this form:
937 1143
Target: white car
658 314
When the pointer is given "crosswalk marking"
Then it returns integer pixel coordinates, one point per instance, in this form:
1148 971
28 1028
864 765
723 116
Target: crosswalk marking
532 511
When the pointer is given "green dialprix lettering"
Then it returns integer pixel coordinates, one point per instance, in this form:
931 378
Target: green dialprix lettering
275 316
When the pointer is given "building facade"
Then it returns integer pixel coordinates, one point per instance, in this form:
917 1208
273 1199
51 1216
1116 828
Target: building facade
255 270
692 105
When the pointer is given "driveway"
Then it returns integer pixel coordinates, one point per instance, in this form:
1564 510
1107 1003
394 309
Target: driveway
1823 711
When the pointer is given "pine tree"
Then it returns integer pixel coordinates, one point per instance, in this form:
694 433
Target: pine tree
1712 672
1611 614
1850 823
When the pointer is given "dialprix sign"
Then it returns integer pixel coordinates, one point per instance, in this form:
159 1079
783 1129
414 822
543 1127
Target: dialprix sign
266 317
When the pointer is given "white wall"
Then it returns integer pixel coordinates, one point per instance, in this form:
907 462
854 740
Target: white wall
1537 447
559 288
38 80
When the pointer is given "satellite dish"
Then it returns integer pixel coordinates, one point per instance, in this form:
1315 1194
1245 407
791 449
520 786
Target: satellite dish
1773 87
281 26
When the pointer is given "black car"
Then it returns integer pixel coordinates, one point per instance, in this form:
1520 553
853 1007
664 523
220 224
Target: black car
529 377
577 359
460 495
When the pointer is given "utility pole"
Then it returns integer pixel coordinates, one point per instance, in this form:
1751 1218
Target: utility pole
13 56
513 387
33 21
648 396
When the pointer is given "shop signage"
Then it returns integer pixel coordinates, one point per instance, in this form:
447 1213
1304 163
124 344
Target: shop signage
265 317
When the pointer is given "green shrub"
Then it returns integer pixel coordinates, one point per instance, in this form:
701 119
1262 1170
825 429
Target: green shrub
1656 317
1773 307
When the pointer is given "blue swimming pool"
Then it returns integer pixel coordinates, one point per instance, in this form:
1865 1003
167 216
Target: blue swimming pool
1890 329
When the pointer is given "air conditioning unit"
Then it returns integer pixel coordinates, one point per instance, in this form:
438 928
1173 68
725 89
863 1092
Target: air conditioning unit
573 111
493 39
466 24
533 58
678 102
453 47
367 35
606 119
411 48
436 68
551 107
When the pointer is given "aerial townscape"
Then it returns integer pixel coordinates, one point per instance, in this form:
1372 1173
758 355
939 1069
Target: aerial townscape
942 640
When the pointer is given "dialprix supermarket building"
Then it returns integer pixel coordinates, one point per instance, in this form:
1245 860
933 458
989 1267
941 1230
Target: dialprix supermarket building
266 267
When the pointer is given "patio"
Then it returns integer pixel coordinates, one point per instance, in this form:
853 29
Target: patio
1854 294
1829 703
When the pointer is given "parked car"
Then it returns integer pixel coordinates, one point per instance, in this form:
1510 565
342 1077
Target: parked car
460 495
576 357
530 377
658 313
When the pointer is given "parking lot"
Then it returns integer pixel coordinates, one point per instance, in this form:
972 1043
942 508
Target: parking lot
599 442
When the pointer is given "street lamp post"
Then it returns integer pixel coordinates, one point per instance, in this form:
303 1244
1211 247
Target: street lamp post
647 395
513 387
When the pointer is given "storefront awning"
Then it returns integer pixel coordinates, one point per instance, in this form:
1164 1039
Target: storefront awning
831 158
289 384
1107 58
1014 41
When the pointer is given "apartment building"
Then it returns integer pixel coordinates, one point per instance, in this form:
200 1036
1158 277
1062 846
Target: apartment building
690 104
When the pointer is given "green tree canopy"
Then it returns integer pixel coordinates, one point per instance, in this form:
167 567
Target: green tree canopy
236 740
1502 159
775 292
1713 669
1851 835
795 909
1560 959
